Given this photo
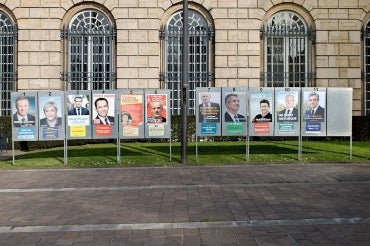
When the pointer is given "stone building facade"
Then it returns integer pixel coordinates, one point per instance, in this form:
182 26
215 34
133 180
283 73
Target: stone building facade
242 47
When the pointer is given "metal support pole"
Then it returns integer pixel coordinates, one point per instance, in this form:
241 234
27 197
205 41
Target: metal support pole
185 85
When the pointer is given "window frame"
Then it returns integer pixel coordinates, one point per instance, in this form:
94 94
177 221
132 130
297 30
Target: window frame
292 30
90 41
366 67
8 59
201 54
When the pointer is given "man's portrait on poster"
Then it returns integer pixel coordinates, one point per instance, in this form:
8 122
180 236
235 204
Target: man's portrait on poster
264 115
156 112
77 108
315 112
290 112
232 103
209 111
102 108
22 117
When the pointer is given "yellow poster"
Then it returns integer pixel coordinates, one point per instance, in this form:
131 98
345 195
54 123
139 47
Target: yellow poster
77 131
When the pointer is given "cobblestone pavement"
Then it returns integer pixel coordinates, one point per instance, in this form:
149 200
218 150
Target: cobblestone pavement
281 204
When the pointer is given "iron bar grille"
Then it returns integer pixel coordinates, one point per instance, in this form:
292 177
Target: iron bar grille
200 39
366 76
8 33
90 52
286 51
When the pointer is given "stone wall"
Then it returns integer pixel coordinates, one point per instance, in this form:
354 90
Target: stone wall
336 54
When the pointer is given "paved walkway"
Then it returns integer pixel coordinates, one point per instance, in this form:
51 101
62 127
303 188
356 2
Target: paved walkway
283 204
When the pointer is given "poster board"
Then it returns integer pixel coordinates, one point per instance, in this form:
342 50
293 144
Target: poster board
131 112
24 116
103 113
262 111
287 111
208 114
313 111
339 113
51 116
234 111
157 114
78 114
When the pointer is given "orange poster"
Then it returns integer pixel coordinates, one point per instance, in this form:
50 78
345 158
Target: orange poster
131 109
156 108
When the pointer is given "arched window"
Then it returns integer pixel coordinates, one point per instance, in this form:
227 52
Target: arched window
8 39
200 73
90 52
286 51
366 40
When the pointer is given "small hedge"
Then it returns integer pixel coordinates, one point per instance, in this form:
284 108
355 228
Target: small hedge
360 132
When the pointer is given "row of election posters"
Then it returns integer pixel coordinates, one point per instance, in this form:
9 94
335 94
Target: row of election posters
146 114
90 114
274 111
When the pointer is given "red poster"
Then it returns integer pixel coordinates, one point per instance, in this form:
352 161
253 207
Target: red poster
261 127
156 108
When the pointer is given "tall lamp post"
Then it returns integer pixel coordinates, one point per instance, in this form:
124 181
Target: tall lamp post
185 83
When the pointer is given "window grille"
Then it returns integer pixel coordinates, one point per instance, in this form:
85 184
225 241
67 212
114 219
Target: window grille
286 51
366 77
200 37
8 33
90 52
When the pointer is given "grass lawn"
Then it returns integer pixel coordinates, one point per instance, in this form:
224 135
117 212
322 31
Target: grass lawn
204 153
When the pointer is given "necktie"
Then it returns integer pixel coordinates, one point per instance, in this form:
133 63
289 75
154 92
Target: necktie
236 119
288 112
106 121
23 121
312 112
78 112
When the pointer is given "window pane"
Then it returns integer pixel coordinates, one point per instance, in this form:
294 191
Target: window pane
198 57
286 39
7 66
90 52
367 69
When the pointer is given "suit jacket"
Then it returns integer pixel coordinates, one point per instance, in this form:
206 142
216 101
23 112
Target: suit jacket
228 117
209 117
43 122
84 111
260 118
292 117
110 118
319 114
30 122
151 119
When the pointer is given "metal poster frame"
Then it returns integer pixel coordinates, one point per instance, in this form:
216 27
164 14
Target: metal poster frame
339 113
287 123
78 122
131 111
313 111
130 105
157 115
52 115
234 111
262 111
207 117
24 117
78 126
104 117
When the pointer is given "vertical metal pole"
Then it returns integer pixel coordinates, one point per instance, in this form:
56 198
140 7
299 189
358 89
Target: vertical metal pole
185 85
350 147
13 151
